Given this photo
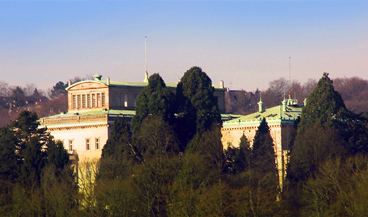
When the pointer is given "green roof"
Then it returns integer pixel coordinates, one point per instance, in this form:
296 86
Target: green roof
132 84
84 117
93 112
272 115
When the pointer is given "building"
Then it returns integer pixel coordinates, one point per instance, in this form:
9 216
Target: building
280 120
93 106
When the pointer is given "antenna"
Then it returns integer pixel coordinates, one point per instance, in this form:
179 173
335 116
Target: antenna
289 77
145 55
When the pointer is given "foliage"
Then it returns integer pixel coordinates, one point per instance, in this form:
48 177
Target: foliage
263 152
243 158
156 139
339 189
325 106
196 104
33 168
155 99
119 143
158 145
58 89
18 98
311 148
264 179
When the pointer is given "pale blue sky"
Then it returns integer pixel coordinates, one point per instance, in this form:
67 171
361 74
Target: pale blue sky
245 43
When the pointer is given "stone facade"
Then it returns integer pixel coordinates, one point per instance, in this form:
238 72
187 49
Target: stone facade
280 120
93 106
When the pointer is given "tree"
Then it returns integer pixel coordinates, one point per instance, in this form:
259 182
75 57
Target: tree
57 156
263 174
242 159
155 99
324 106
119 143
311 148
196 104
263 151
9 160
30 158
159 147
58 89
118 154
18 97
156 139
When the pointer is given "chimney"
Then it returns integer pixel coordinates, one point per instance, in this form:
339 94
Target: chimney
108 81
69 83
284 105
221 84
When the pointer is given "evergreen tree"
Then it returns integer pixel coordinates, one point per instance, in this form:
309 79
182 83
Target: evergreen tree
155 99
119 143
196 104
118 154
324 106
18 97
9 160
58 89
242 160
263 152
57 156
32 143
263 177
325 112
30 158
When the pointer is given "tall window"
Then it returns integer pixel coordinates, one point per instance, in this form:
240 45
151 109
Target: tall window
84 101
87 144
70 145
97 143
74 101
88 100
134 100
125 100
103 99
98 100
79 101
93 100
119 100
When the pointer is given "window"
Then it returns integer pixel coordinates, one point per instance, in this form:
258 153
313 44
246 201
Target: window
126 100
93 100
89 100
119 100
103 99
134 100
71 145
84 101
87 144
74 101
79 101
98 100
97 143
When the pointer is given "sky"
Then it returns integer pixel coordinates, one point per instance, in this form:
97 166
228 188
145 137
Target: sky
247 44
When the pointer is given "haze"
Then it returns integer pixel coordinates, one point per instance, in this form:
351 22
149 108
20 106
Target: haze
247 44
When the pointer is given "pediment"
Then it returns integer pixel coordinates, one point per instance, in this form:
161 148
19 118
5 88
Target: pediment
84 85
